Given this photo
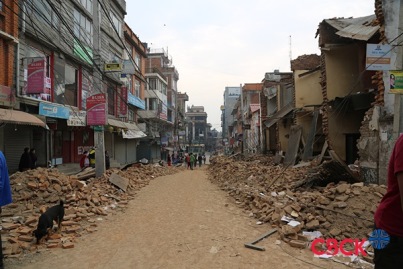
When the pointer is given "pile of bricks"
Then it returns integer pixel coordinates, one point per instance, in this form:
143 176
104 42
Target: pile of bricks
86 203
338 210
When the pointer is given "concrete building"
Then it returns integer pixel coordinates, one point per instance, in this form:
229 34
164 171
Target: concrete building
196 128
231 95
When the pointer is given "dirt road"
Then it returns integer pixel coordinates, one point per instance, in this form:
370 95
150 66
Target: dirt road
178 221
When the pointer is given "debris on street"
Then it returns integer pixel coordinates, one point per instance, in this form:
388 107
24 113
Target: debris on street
85 201
301 198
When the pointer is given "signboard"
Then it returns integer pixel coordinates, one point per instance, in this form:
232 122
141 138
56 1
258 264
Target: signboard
396 82
378 57
77 118
128 67
123 99
164 112
96 109
113 67
37 80
98 128
7 97
54 111
134 100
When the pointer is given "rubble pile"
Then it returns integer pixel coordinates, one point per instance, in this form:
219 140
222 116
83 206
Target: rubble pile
338 210
85 202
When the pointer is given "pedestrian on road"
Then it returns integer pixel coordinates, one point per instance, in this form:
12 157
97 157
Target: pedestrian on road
5 194
84 161
200 159
204 158
25 161
107 160
91 157
34 158
389 214
192 161
169 161
187 159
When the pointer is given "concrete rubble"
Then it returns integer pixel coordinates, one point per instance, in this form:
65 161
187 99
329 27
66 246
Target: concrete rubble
86 203
338 210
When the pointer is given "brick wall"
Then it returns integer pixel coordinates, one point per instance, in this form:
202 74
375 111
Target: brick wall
9 25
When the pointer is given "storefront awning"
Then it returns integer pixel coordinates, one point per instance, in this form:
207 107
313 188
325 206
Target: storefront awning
19 117
133 134
117 123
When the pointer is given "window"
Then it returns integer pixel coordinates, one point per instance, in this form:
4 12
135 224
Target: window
137 62
152 83
164 88
152 104
116 23
111 100
87 4
87 87
131 116
137 88
82 28
66 83
41 11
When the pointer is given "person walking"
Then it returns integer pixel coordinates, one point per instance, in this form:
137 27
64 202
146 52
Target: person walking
5 195
25 161
34 158
187 159
200 159
192 161
204 158
107 160
84 162
91 157
389 215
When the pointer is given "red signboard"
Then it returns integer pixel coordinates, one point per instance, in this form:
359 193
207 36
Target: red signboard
123 99
96 109
37 82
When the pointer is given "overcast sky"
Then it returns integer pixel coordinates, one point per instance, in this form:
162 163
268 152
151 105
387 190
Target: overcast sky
219 43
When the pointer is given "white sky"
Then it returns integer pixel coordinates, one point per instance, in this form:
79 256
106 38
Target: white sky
219 43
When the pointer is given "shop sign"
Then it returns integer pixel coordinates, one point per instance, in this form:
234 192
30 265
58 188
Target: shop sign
77 118
378 57
96 109
54 111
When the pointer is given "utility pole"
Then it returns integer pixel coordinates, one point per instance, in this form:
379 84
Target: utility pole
243 120
98 134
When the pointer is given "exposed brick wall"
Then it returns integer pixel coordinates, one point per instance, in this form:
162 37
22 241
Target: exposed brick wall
9 25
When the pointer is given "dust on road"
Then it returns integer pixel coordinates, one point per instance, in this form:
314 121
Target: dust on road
178 221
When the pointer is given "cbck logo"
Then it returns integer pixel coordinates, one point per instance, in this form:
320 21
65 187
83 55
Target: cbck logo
378 238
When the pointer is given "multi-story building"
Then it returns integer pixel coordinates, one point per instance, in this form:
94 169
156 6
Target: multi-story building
70 59
231 95
155 115
196 128
182 98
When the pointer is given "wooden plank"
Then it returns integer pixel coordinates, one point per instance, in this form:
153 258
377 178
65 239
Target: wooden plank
324 148
308 149
119 181
336 157
293 145
252 244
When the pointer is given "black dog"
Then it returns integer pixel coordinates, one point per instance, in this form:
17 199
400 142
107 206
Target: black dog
45 223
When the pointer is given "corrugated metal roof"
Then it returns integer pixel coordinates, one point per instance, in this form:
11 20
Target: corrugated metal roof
354 28
360 32
341 23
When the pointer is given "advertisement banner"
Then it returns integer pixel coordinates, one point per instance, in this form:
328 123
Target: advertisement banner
37 80
123 99
96 109
378 57
77 118
396 82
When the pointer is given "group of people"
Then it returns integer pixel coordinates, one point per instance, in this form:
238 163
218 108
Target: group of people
28 160
88 159
193 159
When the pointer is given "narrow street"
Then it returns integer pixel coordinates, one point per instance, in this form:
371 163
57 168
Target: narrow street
178 221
